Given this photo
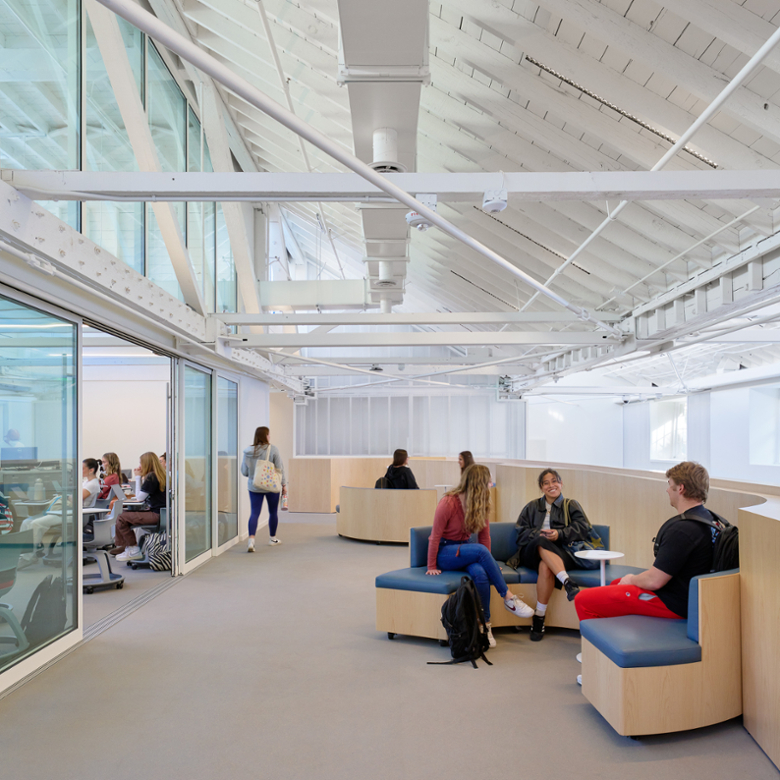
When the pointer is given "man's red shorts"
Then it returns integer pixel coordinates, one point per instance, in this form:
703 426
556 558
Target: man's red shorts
614 600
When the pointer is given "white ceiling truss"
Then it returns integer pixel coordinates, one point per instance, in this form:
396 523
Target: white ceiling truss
569 106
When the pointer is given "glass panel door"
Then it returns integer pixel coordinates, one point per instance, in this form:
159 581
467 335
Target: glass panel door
195 464
227 460
40 480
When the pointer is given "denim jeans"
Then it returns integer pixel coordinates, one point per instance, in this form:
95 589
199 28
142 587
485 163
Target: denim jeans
480 565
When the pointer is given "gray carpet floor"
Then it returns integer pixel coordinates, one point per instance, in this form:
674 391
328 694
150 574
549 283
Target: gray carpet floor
269 666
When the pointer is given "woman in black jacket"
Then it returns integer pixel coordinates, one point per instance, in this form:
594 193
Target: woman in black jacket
545 529
399 476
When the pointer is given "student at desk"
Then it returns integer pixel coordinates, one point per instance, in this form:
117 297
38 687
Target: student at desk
112 471
149 488
41 524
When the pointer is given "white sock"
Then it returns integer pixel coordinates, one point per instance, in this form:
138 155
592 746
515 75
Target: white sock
541 608
562 577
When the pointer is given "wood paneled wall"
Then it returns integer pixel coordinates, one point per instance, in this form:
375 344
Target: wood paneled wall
759 552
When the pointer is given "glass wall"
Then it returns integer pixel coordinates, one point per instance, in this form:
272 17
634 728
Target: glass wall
668 429
116 226
197 463
227 459
39 480
42 54
40 125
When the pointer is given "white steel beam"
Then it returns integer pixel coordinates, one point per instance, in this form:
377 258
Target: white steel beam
235 219
120 74
426 339
433 318
350 187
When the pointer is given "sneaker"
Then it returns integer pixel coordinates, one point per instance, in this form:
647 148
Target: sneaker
273 540
250 546
537 628
491 640
518 607
579 679
572 589
131 554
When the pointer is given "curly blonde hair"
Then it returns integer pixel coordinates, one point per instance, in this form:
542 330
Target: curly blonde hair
475 483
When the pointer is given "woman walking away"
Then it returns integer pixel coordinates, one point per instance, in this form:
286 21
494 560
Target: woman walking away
262 449
460 513
149 488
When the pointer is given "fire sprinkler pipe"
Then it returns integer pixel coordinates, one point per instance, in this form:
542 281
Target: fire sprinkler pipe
152 26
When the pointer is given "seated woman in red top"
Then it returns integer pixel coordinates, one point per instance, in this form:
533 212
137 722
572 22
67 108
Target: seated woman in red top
112 474
462 512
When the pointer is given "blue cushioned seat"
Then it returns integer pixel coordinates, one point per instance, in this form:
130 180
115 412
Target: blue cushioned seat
590 578
416 579
636 640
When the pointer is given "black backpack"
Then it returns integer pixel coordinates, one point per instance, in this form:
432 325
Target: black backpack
725 540
464 622
382 483
45 616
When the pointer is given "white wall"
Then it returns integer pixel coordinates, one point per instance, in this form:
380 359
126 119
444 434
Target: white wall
575 431
124 411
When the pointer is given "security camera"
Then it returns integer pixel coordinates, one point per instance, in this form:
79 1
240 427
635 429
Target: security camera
494 201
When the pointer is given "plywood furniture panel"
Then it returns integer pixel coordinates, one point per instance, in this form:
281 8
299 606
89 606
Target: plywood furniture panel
309 485
759 548
663 699
383 515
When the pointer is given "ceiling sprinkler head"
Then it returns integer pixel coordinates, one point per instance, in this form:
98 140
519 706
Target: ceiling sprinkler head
375 367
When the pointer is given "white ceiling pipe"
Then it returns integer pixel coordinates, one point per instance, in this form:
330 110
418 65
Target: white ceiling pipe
704 117
152 26
385 145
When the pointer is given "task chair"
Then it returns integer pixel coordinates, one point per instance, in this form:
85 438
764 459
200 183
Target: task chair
11 547
101 538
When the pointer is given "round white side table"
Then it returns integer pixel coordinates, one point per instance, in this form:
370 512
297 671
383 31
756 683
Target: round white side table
602 556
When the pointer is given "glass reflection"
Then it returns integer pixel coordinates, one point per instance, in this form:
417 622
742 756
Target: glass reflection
39 481
197 462
227 453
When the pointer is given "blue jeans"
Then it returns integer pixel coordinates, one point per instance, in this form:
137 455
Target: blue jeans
256 500
478 562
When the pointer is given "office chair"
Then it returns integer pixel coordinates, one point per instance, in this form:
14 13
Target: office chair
101 537
11 547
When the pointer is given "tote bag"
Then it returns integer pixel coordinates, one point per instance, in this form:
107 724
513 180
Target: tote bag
267 477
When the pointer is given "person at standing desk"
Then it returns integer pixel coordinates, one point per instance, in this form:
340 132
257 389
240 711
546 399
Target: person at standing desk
112 471
41 524
150 488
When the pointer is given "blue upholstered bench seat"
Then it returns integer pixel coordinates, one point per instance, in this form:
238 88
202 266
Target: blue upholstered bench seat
636 640
503 546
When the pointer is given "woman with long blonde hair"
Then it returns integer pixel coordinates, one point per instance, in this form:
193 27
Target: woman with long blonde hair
461 512
149 488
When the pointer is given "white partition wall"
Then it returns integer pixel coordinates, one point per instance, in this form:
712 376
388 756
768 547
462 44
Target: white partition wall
425 425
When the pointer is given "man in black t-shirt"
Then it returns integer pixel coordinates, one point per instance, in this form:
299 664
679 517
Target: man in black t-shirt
683 550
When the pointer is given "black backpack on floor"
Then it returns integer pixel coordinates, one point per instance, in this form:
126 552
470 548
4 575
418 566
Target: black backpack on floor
45 616
464 622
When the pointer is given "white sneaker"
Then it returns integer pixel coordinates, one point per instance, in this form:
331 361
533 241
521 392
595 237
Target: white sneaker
491 640
250 546
130 554
518 608
273 540
579 679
